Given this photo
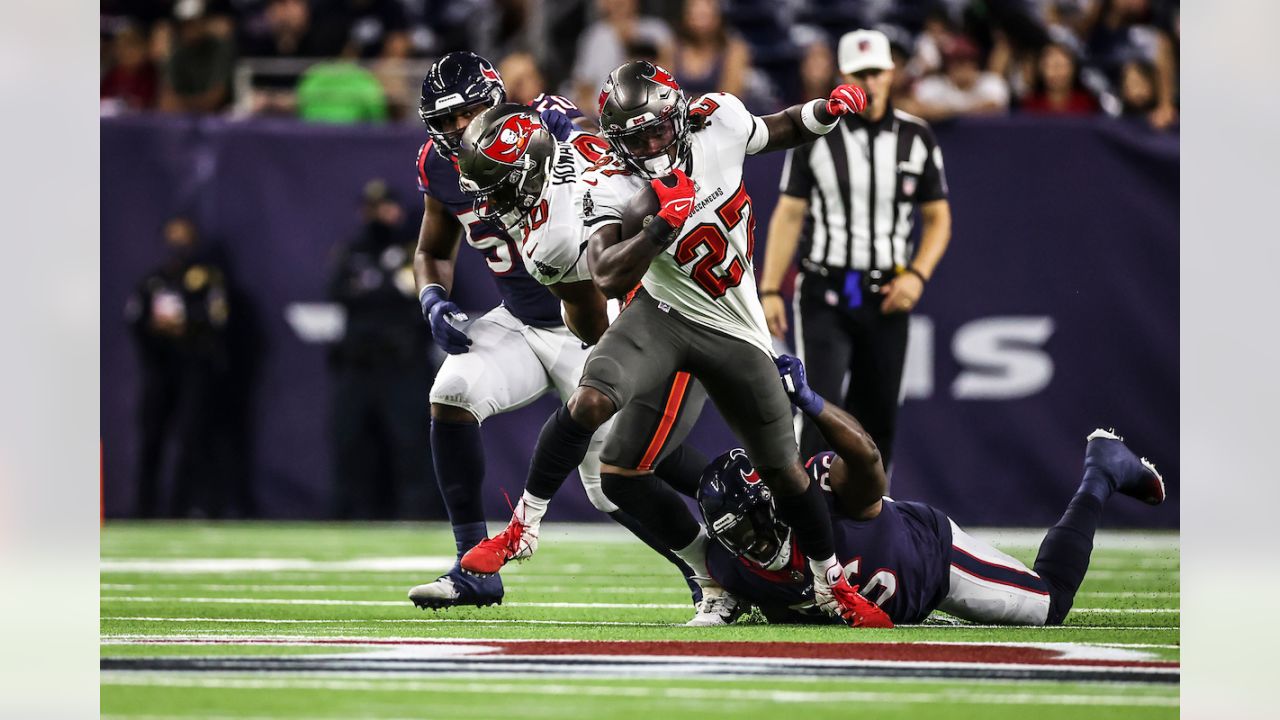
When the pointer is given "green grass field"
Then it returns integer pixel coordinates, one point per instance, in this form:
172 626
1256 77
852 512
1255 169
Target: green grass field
311 620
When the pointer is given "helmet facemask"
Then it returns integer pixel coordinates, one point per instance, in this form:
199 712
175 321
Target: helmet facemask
756 535
653 147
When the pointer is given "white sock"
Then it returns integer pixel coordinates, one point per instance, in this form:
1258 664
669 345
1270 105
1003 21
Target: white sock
822 568
695 556
530 509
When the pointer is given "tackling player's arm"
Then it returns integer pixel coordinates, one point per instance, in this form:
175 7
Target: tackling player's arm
438 242
585 309
857 475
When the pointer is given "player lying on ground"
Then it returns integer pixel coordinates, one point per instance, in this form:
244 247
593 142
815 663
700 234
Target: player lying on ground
907 558
509 356
697 312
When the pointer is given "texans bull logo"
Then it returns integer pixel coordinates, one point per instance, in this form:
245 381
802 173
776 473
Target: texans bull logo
752 477
490 73
512 139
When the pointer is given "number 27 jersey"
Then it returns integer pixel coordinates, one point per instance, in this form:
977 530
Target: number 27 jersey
707 273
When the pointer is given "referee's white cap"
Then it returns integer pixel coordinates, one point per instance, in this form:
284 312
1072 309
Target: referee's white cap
863 49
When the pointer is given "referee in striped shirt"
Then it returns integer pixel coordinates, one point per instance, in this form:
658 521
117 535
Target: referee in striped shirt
848 201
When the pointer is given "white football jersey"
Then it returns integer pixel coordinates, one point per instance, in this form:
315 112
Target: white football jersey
707 273
552 239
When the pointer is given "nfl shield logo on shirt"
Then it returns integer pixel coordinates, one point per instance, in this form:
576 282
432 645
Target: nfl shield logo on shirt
909 185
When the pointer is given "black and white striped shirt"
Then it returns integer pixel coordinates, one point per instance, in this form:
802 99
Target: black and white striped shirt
862 181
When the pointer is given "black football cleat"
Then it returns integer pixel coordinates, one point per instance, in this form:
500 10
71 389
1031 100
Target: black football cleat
456 588
1129 474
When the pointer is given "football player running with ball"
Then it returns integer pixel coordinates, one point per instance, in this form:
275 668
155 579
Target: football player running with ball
697 311
906 558
508 357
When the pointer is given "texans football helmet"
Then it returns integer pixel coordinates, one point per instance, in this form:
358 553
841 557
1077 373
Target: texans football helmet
737 509
459 85
645 117
504 162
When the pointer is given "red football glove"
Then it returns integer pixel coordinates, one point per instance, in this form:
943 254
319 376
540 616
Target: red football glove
675 202
862 613
846 99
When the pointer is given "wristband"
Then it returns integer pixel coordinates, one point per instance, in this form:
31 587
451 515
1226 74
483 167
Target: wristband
660 235
769 293
809 119
911 269
422 293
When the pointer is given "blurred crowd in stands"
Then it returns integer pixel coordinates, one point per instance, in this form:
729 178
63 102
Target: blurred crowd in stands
362 60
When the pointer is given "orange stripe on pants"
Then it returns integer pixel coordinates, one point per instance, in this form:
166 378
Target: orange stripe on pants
675 399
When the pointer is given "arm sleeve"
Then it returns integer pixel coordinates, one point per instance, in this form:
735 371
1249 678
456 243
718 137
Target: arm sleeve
797 176
933 181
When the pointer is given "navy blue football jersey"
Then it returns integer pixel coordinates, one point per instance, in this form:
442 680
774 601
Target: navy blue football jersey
527 299
899 560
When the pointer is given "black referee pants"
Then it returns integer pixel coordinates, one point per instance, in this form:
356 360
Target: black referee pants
870 347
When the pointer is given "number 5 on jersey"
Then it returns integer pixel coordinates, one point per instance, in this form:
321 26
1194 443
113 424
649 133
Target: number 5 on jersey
707 272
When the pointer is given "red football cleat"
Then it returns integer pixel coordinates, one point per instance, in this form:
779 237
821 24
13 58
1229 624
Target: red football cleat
517 542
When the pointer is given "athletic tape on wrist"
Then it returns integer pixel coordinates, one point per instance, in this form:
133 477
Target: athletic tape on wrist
423 292
809 119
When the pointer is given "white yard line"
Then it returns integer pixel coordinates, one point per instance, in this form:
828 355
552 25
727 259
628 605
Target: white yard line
385 603
399 588
727 695
427 563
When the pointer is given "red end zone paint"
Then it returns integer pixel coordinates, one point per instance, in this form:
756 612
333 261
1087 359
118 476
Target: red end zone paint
1048 655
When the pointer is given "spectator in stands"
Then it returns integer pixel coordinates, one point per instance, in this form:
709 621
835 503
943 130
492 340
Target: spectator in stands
606 43
131 80
381 372
523 78
709 56
197 73
284 30
372 28
341 92
1057 89
1138 96
964 88
817 70
1120 31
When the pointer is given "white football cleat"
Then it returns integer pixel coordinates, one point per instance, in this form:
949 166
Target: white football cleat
718 607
